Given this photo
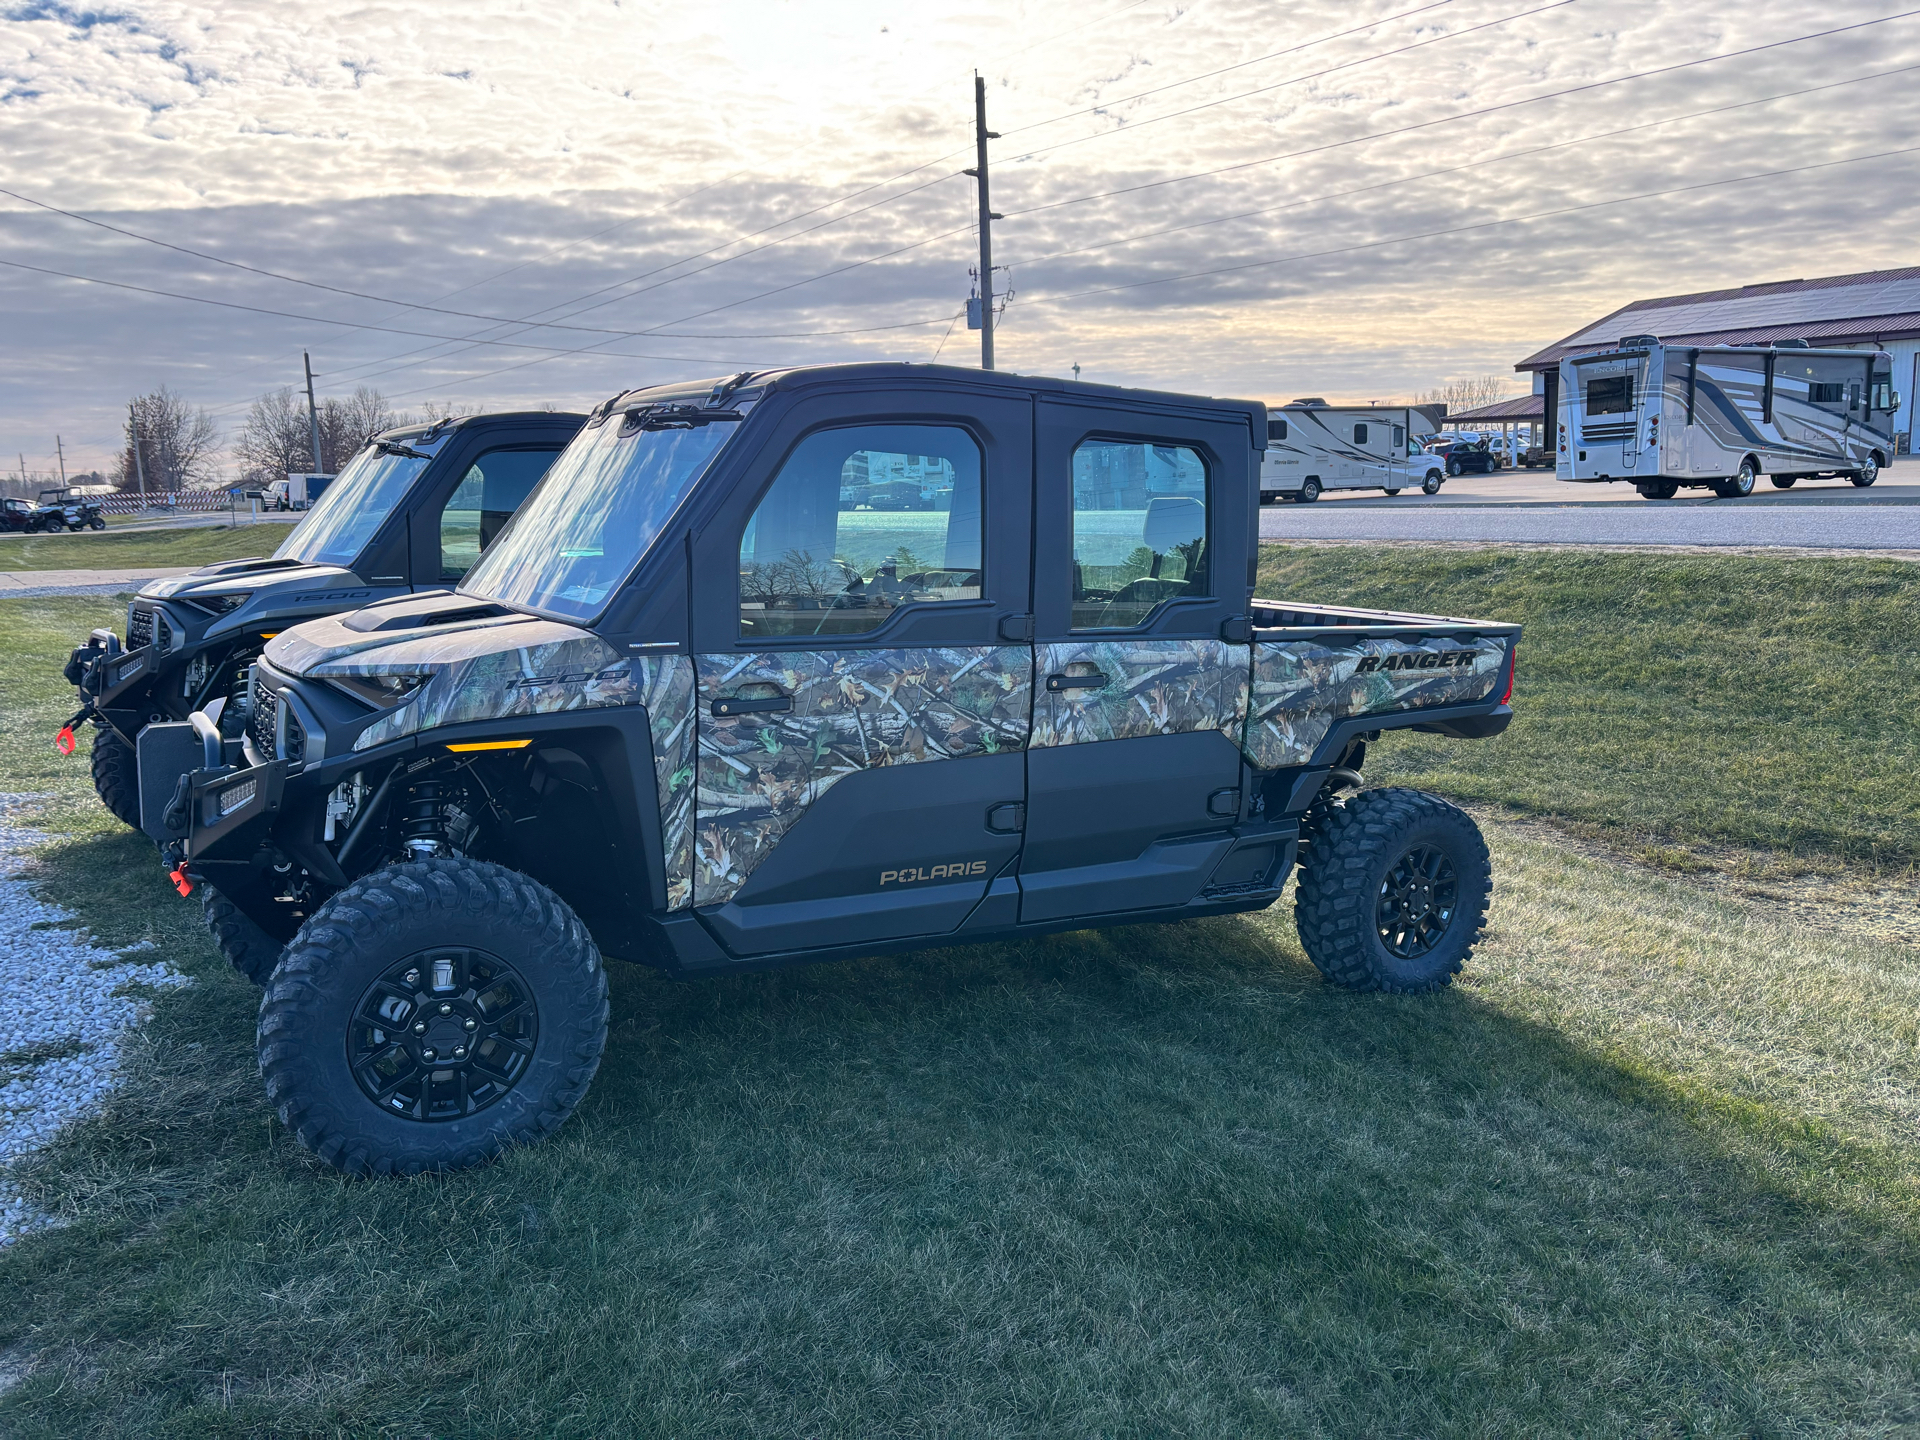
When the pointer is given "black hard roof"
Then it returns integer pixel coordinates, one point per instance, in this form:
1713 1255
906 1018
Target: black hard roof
904 373
455 422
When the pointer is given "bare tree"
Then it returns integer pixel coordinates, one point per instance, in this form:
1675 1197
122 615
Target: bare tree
1471 394
346 425
275 439
177 443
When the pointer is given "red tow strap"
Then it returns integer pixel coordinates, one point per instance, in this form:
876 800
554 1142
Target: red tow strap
64 742
182 882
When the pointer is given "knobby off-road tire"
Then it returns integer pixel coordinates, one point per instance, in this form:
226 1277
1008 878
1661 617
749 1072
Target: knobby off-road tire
116 776
1359 851
343 967
247 947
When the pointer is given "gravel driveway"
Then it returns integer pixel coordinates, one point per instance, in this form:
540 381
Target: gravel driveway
62 1014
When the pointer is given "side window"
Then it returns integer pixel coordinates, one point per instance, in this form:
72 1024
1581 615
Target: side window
1140 530
1400 436
482 504
859 523
1360 435
1277 430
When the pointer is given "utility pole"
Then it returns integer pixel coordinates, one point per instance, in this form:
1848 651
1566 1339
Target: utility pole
139 465
61 451
981 136
313 412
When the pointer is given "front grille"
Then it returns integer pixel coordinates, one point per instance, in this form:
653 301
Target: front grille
266 711
139 628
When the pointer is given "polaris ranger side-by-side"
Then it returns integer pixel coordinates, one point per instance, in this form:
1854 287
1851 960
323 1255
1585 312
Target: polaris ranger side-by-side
411 512
702 708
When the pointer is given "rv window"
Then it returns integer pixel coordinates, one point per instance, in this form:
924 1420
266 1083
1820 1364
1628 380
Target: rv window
1140 530
1611 396
1824 392
1883 394
1854 395
1277 430
1360 435
1400 435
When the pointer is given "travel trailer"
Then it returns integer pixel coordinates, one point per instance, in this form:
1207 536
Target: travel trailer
1313 446
1719 416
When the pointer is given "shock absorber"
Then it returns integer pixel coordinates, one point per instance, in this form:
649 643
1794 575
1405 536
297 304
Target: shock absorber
422 828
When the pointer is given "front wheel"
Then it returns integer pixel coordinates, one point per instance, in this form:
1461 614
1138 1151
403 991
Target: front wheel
116 776
1869 472
1310 491
96 524
241 939
1432 485
1393 893
431 1015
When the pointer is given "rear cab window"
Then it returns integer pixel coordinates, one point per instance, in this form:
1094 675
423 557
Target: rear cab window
1140 531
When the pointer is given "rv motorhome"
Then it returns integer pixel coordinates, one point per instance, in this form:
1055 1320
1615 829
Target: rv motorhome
1718 416
1313 446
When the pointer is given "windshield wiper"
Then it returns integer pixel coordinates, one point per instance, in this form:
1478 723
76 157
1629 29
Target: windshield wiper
679 415
394 447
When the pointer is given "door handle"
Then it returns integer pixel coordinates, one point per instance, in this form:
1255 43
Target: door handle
751 704
1060 682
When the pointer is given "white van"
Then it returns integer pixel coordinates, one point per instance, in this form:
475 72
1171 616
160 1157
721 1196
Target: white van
1718 416
1313 446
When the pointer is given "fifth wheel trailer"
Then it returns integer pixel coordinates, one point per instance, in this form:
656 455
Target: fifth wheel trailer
1664 417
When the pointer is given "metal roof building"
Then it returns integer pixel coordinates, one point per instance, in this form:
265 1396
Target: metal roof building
1871 310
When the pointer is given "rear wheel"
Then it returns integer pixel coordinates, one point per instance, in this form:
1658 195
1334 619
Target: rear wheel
116 775
246 945
1869 472
430 1016
1783 482
1393 894
1454 467
1310 491
1391 489
1740 484
1658 490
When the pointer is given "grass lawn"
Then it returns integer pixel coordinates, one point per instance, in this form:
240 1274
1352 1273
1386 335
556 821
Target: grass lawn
1649 1168
110 550
1661 701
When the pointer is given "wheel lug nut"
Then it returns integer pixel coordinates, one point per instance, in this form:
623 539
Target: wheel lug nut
460 1053
412 978
472 1024
445 1009
428 1053
420 1028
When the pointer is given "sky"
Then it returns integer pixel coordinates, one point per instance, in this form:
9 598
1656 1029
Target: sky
1358 199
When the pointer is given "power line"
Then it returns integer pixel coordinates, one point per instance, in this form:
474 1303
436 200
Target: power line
1466 165
1297 79
1464 229
1450 119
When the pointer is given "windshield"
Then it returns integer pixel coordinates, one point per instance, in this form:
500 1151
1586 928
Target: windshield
594 515
351 508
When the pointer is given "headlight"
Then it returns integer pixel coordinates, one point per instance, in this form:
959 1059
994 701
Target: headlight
219 604
378 691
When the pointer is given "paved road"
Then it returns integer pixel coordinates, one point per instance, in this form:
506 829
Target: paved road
17 584
1533 508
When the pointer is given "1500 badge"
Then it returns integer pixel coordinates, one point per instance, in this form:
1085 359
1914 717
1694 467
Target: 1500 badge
952 871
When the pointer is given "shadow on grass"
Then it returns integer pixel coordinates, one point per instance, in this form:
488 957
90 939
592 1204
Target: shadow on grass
1153 1179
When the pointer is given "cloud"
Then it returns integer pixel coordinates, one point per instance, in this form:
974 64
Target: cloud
529 160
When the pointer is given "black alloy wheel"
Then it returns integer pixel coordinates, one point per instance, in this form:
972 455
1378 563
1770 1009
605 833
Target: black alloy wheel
442 1034
1418 897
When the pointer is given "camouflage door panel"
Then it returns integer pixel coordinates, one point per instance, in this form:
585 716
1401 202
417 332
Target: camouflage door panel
534 668
666 685
1154 687
852 710
1302 688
